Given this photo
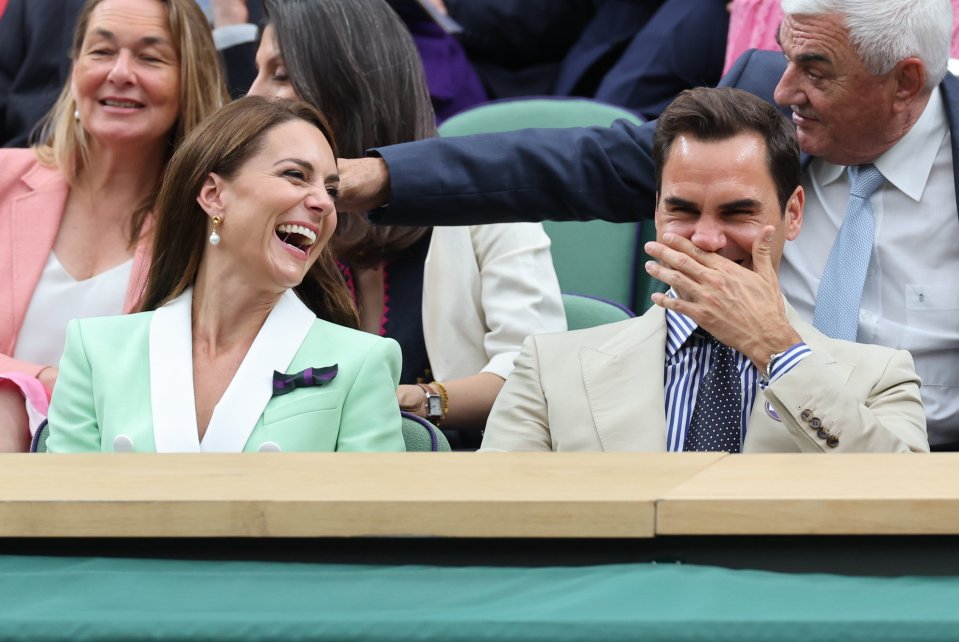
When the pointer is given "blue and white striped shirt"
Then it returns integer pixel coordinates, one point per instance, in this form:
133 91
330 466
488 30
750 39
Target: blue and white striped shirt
687 362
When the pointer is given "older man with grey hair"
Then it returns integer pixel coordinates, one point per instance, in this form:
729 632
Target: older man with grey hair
876 113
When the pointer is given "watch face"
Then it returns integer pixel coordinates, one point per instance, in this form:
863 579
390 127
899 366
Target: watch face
434 406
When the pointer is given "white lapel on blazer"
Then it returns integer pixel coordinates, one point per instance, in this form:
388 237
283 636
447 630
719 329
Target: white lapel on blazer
171 377
624 385
277 342
251 388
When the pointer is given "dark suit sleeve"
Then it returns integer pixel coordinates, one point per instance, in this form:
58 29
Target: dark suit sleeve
757 72
683 45
11 57
526 175
541 174
35 39
733 77
518 33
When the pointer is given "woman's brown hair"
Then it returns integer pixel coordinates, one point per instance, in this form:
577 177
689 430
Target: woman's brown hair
357 63
63 141
221 145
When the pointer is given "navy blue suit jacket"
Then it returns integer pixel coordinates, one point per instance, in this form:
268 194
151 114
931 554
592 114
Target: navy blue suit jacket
517 46
639 54
558 174
35 39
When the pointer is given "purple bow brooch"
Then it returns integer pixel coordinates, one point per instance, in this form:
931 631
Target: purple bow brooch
284 383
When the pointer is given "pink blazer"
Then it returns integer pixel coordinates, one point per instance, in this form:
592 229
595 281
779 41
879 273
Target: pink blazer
32 200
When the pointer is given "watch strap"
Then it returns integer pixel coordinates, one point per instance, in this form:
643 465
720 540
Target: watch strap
434 403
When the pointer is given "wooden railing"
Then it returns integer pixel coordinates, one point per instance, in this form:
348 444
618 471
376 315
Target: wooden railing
622 495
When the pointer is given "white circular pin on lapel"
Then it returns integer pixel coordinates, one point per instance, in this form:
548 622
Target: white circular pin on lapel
772 412
122 444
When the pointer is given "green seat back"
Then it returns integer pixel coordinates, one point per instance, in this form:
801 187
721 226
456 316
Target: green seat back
507 115
645 284
587 312
39 443
422 436
596 258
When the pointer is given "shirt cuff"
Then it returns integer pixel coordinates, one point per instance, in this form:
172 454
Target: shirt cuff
232 35
786 362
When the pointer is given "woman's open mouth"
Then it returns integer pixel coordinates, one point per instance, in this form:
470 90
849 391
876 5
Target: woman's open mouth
296 236
121 103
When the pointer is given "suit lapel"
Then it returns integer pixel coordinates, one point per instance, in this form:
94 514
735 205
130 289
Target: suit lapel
171 377
35 219
239 409
817 341
624 385
32 230
950 94
251 389
820 344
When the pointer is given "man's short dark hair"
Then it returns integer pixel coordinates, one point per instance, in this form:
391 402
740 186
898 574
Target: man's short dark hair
719 114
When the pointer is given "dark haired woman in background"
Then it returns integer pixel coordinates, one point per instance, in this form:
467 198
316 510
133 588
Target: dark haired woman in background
230 355
459 300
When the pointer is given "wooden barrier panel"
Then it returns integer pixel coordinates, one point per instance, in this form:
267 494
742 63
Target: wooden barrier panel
339 495
495 495
867 494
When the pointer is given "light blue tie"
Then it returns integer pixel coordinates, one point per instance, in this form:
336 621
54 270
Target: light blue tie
717 420
840 290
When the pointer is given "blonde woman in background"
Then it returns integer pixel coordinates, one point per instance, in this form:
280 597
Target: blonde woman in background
75 211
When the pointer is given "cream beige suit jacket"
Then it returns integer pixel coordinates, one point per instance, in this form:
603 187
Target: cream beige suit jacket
602 389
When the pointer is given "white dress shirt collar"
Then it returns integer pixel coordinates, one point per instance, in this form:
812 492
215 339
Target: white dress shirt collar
679 328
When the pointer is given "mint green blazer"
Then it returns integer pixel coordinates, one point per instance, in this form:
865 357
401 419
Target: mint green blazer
103 392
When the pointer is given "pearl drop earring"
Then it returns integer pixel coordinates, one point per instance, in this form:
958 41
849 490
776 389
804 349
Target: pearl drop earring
214 236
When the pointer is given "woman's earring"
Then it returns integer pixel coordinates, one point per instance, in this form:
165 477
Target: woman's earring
214 236
76 115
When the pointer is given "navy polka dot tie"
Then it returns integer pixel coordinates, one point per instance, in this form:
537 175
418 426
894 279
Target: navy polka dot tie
717 417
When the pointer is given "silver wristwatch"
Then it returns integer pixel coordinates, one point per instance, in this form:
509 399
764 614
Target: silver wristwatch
767 373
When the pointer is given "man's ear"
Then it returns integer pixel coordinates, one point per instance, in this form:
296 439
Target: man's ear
794 212
910 78
210 197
